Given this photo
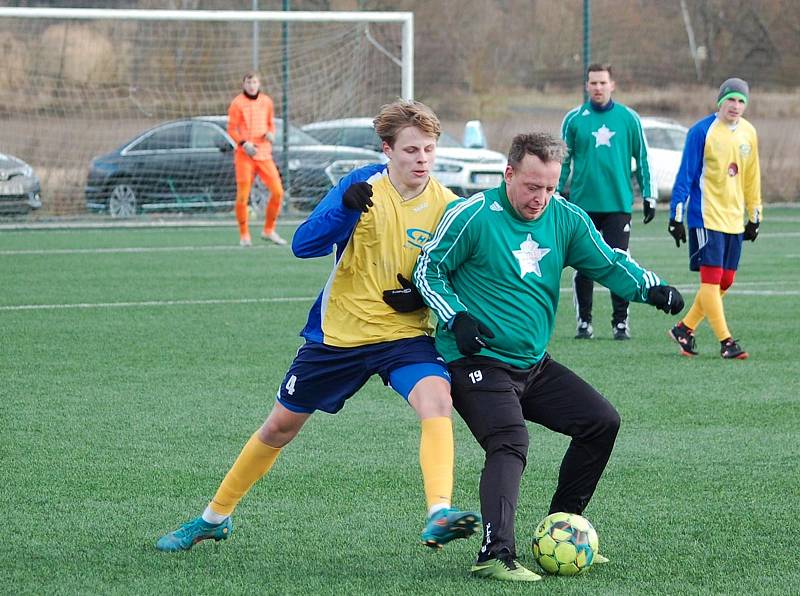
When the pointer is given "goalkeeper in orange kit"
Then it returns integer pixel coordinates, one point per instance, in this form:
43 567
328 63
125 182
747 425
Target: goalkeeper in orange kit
251 124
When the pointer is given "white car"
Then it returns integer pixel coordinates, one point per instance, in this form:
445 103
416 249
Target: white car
665 141
464 170
19 186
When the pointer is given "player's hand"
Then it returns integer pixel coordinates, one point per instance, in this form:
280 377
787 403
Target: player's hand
358 197
250 148
406 299
470 334
665 298
750 231
677 231
649 207
270 137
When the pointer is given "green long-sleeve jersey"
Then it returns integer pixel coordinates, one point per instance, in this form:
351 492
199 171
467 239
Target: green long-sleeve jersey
601 143
505 271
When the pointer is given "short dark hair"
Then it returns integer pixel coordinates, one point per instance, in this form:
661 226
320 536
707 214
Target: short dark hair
251 74
543 145
600 67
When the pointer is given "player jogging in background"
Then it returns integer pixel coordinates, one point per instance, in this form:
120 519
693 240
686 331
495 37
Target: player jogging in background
718 184
251 124
602 137
363 324
491 273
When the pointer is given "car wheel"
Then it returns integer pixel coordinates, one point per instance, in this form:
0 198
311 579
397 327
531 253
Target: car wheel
259 196
122 201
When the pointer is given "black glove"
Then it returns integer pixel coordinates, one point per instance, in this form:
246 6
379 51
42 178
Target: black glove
407 299
750 231
665 298
649 207
357 197
677 231
470 334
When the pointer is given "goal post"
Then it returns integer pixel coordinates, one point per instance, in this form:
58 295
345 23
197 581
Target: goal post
78 83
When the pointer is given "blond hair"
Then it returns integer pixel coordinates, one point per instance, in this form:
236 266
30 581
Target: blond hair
394 117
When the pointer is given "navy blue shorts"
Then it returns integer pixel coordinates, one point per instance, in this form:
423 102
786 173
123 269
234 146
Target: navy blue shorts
713 249
323 377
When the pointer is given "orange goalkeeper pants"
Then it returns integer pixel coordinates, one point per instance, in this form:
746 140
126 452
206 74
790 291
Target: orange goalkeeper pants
246 170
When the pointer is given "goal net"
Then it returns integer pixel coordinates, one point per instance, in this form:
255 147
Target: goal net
82 84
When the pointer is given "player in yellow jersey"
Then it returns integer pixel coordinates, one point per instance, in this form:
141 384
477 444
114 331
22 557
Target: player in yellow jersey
717 186
362 324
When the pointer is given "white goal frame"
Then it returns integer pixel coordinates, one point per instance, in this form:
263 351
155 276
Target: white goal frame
405 18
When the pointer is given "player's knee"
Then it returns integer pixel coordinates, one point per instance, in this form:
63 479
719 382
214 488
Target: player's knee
510 441
727 279
607 423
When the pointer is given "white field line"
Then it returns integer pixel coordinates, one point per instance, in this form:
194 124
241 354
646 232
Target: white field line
666 236
131 250
153 303
161 303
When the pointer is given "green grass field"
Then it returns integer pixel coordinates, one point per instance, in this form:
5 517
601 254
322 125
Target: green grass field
136 363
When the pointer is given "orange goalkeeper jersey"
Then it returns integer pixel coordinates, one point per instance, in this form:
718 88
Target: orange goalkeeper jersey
250 120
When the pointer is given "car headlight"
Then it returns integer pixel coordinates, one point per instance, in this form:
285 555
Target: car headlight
26 171
447 167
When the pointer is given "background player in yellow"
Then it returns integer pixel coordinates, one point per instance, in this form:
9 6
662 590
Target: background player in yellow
362 324
720 179
251 123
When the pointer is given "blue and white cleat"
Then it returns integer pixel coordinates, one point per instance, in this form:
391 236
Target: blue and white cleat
193 532
449 524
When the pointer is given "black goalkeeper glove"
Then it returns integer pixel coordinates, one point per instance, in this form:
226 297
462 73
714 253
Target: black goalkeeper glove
677 231
649 207
407 299
665 298
750 231
470 334
357 197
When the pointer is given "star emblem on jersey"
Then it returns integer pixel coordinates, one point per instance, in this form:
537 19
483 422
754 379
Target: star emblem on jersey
529 255
602 136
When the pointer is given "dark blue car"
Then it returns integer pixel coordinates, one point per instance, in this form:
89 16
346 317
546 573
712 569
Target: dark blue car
188 165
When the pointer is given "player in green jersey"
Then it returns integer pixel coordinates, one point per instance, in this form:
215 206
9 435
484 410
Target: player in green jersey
602 137
491 273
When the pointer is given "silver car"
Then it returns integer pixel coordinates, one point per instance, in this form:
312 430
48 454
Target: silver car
19 186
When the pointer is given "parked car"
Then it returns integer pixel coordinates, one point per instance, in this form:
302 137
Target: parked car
465 170
19 186
665 140
188 164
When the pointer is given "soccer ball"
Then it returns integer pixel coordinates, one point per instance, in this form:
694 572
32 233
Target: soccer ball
564 544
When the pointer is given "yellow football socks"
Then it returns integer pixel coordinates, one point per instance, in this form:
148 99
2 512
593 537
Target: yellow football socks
436 459
696 315
711 299
253 462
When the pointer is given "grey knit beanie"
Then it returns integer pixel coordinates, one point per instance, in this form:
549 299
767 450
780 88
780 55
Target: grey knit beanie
733 87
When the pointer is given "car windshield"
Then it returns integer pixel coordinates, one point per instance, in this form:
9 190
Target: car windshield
445 140
296 136
671 139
